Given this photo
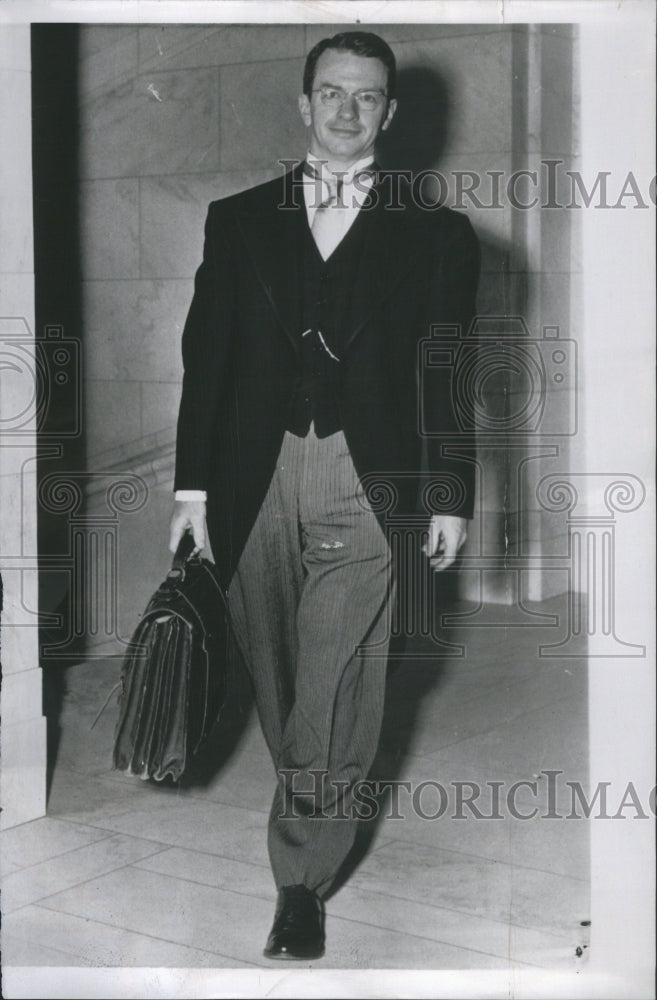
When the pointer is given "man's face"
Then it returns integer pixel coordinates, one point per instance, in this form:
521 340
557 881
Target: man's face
346 133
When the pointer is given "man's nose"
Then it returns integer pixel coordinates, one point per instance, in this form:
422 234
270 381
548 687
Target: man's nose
349 107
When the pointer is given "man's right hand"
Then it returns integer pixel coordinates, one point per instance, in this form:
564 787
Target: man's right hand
188 514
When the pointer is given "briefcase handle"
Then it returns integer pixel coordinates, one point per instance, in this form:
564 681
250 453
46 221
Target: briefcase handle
183 554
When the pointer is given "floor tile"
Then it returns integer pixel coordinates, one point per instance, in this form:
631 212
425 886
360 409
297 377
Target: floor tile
253 740
227 924
507 943
84 799
83 750
31 843
552 737
49 877
234 926
475 885
179 819
441 722
429 806
210 870
397 765
563 848
355 945
76 940
82 719
245 779
424 807
29 951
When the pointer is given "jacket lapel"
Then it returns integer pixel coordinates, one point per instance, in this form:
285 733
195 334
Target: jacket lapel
391 246
273 232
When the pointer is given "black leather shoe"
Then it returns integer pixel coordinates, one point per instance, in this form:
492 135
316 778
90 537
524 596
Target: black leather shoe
298 928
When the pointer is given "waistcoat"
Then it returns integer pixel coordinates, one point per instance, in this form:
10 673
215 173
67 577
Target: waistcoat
326 292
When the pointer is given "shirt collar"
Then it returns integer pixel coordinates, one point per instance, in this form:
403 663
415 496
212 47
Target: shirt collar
347 177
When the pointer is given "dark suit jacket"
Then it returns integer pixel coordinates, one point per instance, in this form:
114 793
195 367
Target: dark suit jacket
241 355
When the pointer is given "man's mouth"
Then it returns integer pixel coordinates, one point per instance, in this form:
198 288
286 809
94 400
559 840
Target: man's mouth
345 131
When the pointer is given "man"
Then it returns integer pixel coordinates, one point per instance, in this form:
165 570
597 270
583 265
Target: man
300 387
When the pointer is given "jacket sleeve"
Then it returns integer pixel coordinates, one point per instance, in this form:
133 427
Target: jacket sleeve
206 341
451 452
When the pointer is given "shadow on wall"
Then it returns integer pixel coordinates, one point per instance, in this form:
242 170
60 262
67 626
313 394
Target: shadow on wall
417 138
417 141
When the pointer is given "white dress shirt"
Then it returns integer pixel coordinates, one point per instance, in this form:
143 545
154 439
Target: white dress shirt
342 217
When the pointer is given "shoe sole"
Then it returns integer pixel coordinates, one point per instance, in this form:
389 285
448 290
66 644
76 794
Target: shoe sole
286 956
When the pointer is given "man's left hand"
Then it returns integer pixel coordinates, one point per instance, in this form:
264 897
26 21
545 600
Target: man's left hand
446 536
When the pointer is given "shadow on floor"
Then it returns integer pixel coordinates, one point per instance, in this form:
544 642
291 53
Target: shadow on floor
55 689
227 733
414 671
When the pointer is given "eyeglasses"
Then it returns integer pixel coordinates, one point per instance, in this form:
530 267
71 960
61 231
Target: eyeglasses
334 97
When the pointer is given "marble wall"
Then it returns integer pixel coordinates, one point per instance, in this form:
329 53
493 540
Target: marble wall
174 116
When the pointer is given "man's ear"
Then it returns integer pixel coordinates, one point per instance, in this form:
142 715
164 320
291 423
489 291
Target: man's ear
392 107
304 108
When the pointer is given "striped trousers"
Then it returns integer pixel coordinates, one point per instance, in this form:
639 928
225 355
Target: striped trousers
312 586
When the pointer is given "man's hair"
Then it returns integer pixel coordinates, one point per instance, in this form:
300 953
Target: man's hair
362 43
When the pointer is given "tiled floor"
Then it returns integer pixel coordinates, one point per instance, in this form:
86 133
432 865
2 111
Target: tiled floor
123 873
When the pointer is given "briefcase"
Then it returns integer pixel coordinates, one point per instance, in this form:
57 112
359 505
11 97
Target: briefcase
173 677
